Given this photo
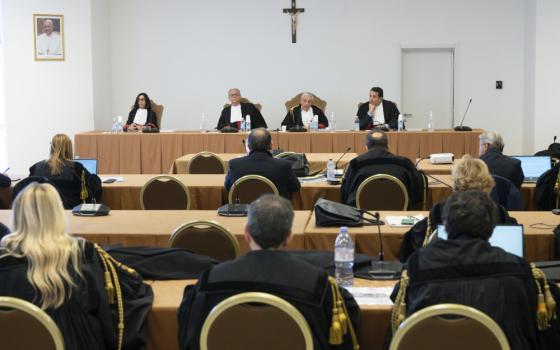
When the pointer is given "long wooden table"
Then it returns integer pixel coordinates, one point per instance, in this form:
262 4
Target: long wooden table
163 325
317 161
135 153
208 192
154 227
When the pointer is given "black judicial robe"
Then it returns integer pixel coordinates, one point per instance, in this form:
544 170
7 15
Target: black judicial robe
381 161
151 119
390 112
504 166
271 271
471 272
293 117
257 120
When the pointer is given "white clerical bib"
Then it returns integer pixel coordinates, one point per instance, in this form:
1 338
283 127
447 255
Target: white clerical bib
235 114
379 115
306 117
141 116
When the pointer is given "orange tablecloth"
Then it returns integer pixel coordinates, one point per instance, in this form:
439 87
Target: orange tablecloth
317 161
162 320
154 227
134 153
538 241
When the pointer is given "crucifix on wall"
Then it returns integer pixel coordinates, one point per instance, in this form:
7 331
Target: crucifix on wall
294 11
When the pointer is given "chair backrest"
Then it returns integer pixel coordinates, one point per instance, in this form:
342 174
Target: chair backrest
206 163
294 101
158 110
506 194
382 192
245 100
25 326
206 238
164 193
467 329
255 321
249 188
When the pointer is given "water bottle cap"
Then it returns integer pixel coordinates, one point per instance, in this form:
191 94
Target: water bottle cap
344 229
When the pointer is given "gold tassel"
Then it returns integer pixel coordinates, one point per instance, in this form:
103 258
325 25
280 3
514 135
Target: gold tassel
428 233
84 192
543 315
342 317
335 332
550 302
109 288
398 314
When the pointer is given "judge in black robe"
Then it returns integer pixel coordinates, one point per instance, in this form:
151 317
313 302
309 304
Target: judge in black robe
247 108
266 269
467 270
293 117
378 160
390 111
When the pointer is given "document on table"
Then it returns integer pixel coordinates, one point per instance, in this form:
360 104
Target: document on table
403 220
116 178
313 179
372 295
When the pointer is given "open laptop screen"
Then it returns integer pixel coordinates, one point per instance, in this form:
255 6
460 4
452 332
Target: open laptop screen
89 163
507 237
534 166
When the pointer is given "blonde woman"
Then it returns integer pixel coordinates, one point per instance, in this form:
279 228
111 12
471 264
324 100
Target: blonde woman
41 263
468 174
65 174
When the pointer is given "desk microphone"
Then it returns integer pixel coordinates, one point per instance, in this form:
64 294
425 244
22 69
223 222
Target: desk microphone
381 269
461 127
342 156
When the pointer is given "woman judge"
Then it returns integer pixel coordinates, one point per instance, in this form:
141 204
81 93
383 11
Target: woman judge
65 174
141 114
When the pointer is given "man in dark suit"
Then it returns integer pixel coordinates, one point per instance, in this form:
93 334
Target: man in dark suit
261 162
234 113
490 151
378 160
303 114
267 268
378 111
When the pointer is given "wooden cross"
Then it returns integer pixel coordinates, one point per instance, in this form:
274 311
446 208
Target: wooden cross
294 11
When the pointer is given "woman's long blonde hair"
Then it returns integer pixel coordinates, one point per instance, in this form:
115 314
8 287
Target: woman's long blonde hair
471 174
61 150
40 236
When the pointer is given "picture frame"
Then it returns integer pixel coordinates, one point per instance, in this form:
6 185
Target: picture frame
48 37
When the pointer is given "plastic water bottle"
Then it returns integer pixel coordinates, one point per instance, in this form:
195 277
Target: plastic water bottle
401 123
330 170
344 258
248 123
356 123
332 124
120 124
431 122
203 123
114 126
315 123
243 125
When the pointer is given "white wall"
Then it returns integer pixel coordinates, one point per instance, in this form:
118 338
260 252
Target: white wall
186 54
44 98
547 91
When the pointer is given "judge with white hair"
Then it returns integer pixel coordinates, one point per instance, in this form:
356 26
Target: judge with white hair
303 114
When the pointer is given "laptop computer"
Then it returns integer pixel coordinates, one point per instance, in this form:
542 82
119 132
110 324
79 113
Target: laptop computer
89 163
534 166
507 237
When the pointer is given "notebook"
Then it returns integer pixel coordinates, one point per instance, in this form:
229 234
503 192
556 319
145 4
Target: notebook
89 163
534 166
507 237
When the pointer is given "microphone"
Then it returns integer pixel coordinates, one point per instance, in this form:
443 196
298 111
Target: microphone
277 151
342 156
461 127
381 269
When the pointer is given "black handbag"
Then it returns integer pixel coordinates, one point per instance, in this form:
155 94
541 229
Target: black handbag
329 213
300 164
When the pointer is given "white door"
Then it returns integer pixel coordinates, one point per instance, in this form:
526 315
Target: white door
427 85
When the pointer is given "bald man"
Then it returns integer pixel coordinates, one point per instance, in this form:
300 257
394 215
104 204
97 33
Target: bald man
302 114
234 113
48 42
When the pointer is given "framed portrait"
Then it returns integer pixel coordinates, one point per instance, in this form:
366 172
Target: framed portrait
48 37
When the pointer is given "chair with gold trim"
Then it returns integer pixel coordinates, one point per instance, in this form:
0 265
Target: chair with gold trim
206 163
382 192
252 321
158 110
294 102
25 326
164 192
206 238
245 100
249 188
449 326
